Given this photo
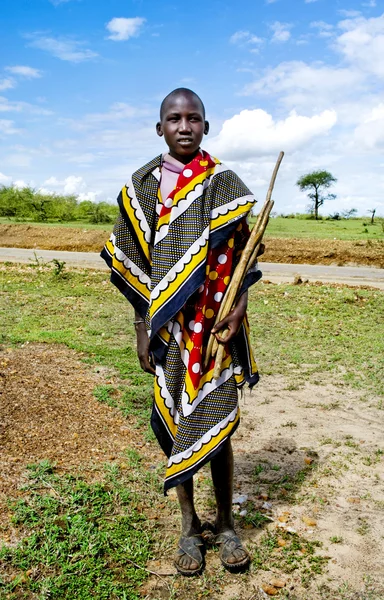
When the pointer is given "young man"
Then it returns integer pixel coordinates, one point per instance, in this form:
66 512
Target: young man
172 254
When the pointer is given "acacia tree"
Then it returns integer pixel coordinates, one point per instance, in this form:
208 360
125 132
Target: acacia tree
314 184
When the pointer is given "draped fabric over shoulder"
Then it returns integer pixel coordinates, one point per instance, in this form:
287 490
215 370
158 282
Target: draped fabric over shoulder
173 258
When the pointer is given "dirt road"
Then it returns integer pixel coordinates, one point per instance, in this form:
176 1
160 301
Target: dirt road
274 272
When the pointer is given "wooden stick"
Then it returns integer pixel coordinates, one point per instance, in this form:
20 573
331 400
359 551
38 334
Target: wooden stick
248 257
212 342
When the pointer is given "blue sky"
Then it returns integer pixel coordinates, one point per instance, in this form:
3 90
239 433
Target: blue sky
81 82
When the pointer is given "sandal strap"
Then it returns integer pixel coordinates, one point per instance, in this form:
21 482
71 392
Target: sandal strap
228 538
190 545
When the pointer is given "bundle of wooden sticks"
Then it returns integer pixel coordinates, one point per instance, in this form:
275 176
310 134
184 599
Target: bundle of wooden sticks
247 259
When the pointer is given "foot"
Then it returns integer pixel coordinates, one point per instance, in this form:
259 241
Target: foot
232 554
189 558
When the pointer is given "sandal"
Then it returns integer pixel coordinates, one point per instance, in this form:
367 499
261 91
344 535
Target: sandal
229 542
194 547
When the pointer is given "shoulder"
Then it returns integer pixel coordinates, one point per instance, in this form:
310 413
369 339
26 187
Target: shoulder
148 168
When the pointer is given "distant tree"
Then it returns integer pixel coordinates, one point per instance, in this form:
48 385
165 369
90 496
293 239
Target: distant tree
349 213
373 212
314 184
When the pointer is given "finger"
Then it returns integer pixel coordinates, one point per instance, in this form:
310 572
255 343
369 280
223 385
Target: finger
148 368
261 250
220 325
227 338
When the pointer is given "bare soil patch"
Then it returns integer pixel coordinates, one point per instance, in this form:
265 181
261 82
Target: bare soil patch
48 412
338 501
279 250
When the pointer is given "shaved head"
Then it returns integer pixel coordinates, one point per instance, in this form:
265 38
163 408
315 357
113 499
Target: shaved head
180 92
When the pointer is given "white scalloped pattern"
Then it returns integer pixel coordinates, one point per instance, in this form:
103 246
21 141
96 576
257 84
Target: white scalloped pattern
168 400
207 388
131 266
225 208
178 458
180 265
139 212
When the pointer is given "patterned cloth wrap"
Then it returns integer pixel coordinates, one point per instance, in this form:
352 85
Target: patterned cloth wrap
172 259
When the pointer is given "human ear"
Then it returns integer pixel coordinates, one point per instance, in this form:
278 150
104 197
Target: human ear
159 129
206 127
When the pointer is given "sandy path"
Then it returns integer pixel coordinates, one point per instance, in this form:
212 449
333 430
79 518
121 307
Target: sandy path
275 272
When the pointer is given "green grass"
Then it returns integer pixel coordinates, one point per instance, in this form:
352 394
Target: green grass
319 333
80 536
76 536
315 333
298 555
345 229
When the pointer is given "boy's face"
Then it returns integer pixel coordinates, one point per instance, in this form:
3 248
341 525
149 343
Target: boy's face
183 126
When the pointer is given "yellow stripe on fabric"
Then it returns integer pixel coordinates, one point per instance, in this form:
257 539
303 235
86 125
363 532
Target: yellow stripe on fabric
230 216
181 194
141 288
206 449
173 287
127 202
164 411
239 379
206 378
110 247
164 334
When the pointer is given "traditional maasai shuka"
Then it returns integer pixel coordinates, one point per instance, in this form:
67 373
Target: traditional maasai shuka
173 259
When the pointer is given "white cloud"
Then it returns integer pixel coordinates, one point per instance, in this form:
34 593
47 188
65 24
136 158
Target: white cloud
7 128
17 106
370 132
245 38
71 185
349 13
281 32
310 1
370 4
63 48
24 71
119 111
5 179
19 184
6 84
324 29
362 43
254 133
298 84
122 29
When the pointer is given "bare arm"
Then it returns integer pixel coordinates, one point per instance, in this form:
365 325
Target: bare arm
142 343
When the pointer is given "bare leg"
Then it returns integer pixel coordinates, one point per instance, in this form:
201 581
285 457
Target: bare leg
190 522
222 477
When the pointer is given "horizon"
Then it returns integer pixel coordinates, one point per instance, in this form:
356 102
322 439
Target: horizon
81 84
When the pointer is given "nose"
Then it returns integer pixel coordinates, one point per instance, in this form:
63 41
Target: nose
185 125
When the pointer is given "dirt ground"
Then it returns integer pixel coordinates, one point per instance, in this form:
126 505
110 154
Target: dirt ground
48 411
295 251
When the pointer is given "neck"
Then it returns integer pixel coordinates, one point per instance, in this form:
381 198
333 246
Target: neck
184 159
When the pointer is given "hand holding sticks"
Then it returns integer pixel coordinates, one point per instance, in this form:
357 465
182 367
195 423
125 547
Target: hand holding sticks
248 257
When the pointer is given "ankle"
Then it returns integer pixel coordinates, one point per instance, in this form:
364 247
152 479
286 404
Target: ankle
224 524
191 526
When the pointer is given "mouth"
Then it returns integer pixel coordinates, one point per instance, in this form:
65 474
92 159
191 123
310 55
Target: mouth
185 141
